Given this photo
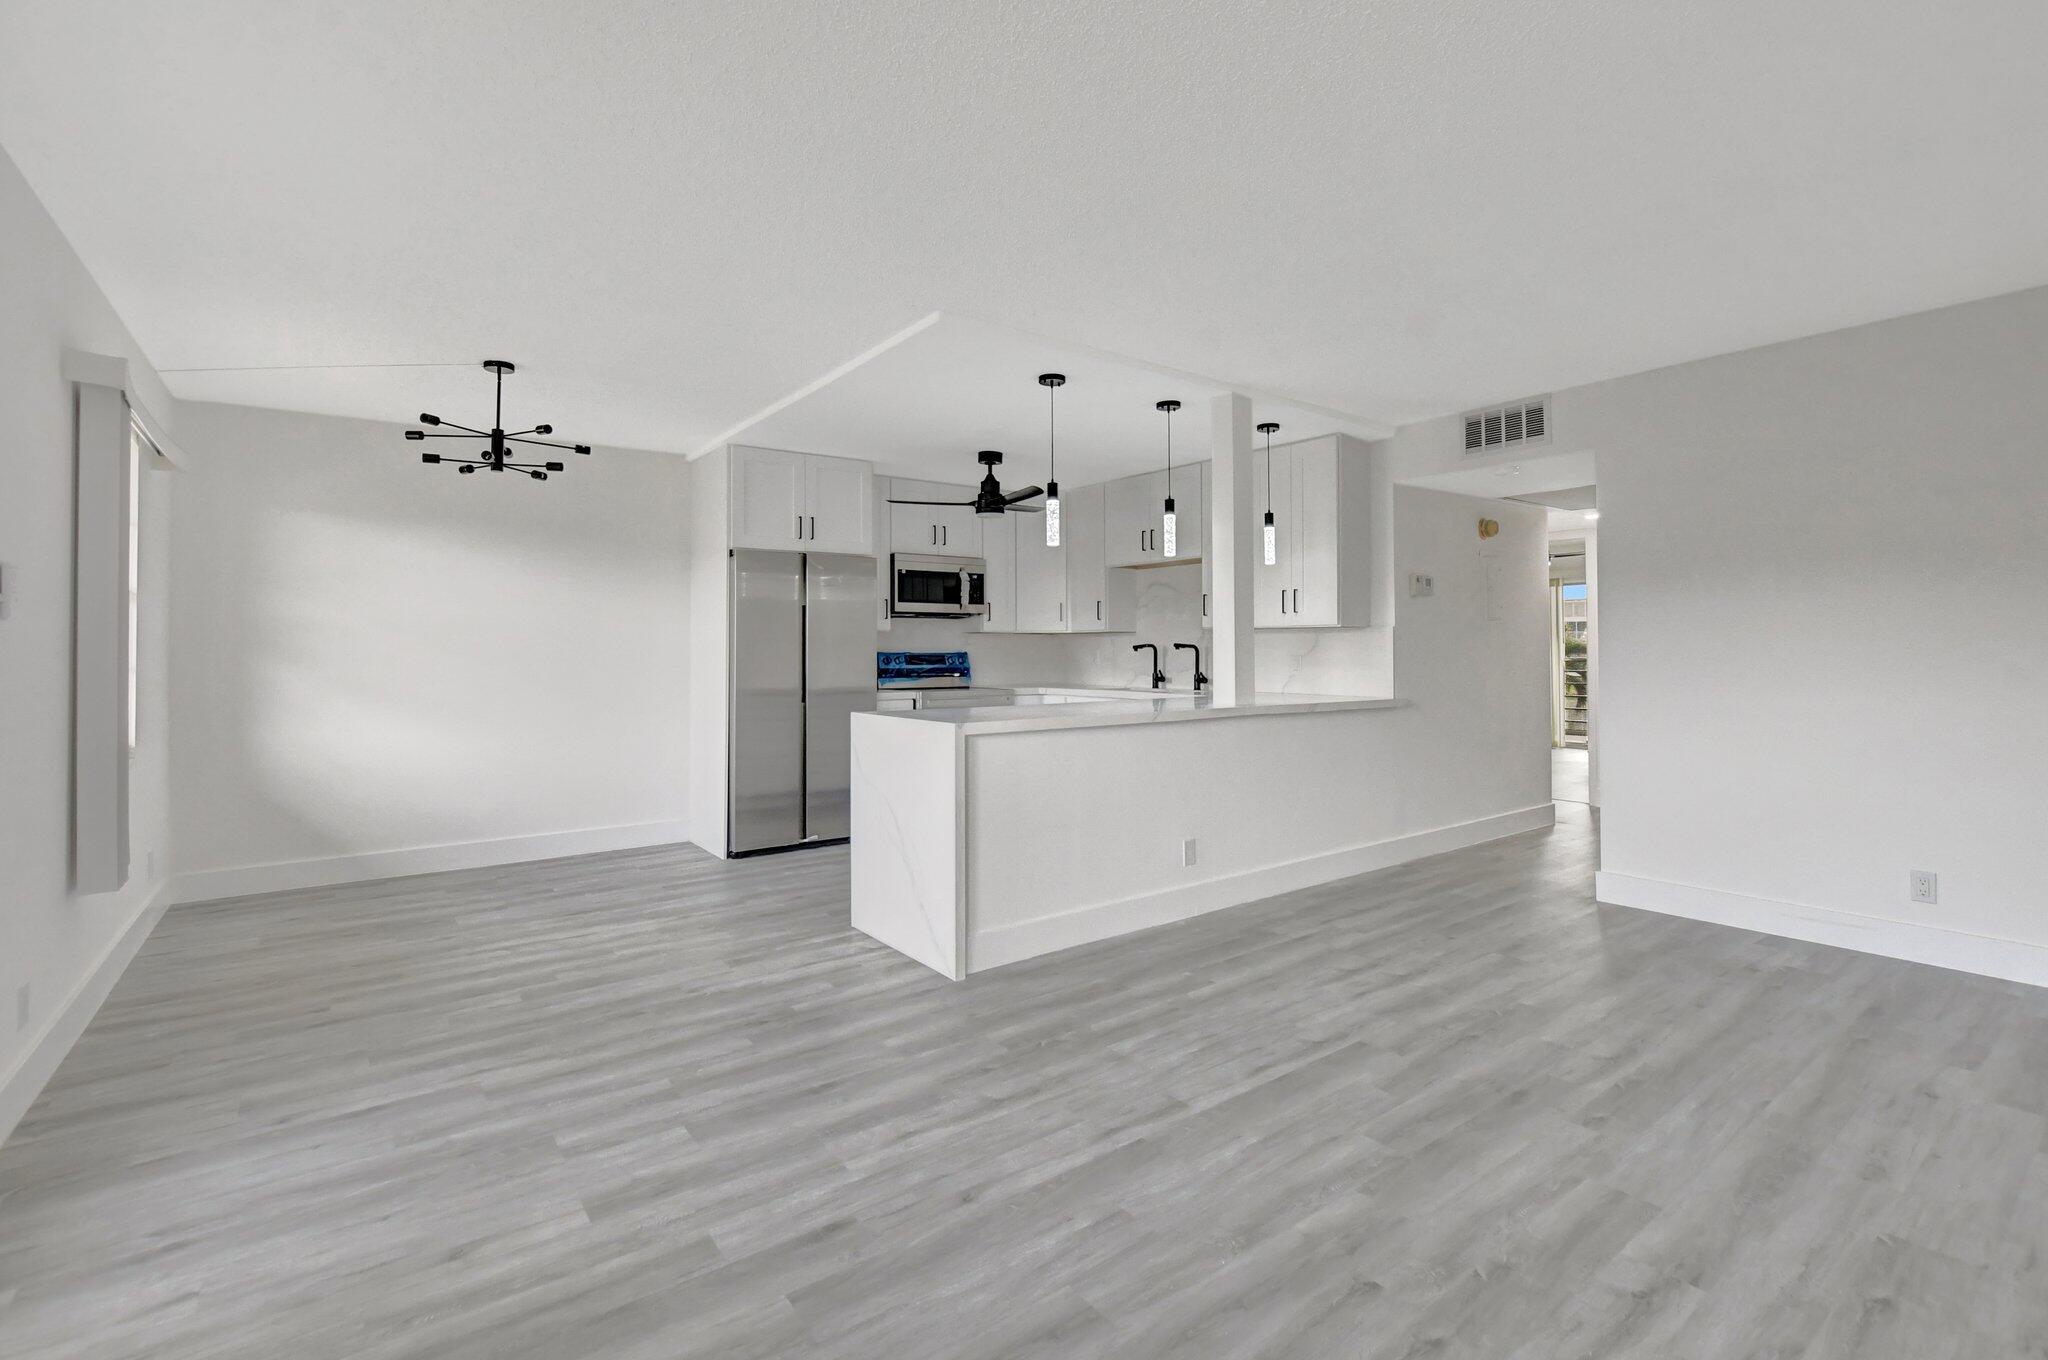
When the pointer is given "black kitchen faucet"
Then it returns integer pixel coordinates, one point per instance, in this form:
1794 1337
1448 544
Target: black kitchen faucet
1158 676
1201 680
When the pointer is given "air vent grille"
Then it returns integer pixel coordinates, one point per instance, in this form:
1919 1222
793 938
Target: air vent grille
1518 423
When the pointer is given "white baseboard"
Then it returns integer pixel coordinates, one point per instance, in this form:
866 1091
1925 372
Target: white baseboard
1988 956
206 885
38 1062
1085 925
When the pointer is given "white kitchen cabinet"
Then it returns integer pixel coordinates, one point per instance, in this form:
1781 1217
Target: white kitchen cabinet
935 530
1321 501
1312 599
1040 579
767 498
801 501
838 506
1270 584
999 552
1131 519
1134 514
1099 597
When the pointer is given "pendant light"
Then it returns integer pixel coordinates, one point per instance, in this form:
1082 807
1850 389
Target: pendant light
1169 542
1272 548
1050 381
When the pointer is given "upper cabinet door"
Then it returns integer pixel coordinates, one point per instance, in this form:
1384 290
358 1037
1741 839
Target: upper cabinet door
1271 584
915 528
999 554
1041 578
838 505
1313 598
1131 513
943 530
959 529
767 498
1087 575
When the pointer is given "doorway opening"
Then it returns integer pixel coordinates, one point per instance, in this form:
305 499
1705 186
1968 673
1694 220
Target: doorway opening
1574 642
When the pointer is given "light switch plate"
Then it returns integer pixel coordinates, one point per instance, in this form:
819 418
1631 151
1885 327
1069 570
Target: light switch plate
1420 583
1187 853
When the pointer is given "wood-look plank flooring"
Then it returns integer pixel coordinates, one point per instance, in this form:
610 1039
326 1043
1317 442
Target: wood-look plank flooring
654 1105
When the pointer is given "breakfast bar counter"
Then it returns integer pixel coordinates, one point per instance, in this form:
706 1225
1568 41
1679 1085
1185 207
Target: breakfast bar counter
985 835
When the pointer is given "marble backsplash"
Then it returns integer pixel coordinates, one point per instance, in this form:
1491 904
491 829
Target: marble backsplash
1356 661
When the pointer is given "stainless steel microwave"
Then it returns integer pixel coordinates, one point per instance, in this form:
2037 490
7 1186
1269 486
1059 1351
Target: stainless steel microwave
937 587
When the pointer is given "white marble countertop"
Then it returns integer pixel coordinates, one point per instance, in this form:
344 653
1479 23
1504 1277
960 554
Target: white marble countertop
1120 708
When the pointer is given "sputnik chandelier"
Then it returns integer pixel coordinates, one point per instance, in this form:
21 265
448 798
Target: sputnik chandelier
497 457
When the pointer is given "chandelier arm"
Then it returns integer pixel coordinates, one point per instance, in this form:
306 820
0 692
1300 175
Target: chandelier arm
481 434
545 443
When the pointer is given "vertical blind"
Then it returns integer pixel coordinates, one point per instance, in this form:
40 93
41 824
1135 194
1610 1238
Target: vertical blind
106 493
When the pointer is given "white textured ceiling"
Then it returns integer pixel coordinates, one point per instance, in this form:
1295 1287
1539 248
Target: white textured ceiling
673 214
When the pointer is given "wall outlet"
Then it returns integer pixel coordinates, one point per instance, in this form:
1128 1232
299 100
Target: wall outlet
1420 584
1187 853
24 1007
1920 885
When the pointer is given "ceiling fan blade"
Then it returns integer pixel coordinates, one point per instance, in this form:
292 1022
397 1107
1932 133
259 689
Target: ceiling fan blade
931 502
1026 494
1025 509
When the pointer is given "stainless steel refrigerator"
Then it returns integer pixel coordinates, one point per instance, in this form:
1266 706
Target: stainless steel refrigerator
803 661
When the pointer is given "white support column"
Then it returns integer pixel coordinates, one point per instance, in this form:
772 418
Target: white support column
1233 538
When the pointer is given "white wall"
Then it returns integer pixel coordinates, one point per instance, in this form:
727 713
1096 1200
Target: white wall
65 949
383 667
1823 628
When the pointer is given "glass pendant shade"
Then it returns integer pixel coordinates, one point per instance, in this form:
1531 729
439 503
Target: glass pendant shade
1052 382
1268 429
1169 536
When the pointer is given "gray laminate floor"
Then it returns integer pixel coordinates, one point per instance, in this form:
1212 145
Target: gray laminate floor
1571 774
649 1104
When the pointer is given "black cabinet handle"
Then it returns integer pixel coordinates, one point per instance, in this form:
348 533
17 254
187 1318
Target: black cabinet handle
1283 602
799 526
1297 599
814 526
1098 611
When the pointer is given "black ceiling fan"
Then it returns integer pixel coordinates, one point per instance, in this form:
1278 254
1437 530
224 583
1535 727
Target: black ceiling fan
991 499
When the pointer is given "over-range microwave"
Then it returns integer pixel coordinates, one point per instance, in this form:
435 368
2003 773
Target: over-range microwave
937 587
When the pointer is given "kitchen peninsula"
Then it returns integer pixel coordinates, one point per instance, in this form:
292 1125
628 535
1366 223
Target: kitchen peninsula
984 836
